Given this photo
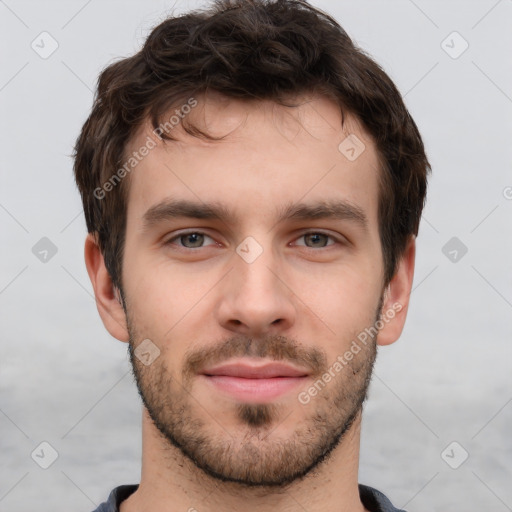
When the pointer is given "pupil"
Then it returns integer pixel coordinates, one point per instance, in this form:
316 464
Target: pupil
195 239
315 236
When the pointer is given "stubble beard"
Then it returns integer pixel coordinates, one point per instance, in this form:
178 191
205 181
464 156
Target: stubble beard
251 455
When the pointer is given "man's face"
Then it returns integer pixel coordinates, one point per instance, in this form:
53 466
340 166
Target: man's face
226 298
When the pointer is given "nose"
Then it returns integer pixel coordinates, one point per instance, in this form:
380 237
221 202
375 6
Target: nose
254 298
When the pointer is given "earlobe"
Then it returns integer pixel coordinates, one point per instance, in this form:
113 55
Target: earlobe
108 301
396 297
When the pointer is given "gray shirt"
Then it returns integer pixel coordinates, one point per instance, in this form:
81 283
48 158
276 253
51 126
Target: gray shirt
372 499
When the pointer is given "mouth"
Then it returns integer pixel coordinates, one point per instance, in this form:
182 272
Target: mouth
247 381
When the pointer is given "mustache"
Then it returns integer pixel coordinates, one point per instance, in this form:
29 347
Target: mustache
276 347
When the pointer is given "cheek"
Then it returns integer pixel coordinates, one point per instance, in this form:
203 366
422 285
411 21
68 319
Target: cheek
166 298
348 290
151 299
332 312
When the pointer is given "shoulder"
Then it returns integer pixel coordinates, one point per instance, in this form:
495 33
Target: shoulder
375 501
116 496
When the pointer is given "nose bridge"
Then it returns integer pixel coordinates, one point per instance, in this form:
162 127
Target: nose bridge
255 268
254 298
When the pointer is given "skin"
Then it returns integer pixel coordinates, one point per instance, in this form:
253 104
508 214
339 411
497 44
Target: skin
209 302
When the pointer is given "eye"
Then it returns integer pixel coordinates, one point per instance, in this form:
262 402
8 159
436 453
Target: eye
196 240
317 239
189 240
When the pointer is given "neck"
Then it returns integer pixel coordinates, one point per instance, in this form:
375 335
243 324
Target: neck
171 482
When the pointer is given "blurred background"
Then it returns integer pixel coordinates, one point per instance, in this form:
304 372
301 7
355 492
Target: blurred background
436 428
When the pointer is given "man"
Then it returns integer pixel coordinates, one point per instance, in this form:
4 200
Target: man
252 184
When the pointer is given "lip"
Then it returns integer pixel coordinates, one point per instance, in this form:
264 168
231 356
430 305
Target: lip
246 370
254 383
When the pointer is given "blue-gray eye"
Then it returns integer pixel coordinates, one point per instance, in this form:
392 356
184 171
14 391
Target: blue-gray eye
195 240
317 239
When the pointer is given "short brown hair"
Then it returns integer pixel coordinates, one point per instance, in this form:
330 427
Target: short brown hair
253 50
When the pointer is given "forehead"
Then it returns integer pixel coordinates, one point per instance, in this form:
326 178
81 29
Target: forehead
267 155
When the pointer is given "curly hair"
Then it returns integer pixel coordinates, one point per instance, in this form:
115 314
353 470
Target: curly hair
250 50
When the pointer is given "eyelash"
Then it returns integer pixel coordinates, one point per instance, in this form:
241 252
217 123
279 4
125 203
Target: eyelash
185 233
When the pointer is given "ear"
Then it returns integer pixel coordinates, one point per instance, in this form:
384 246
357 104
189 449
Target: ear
396 297
109 307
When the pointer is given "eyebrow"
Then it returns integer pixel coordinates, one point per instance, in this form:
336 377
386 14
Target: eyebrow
169 209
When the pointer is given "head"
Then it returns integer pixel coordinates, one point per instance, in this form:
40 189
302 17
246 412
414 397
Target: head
252 184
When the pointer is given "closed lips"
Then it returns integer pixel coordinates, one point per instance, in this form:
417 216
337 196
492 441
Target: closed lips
268 371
